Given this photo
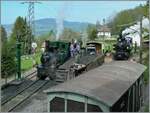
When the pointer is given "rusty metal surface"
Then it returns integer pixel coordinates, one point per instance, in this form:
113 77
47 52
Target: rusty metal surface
106 83
67 64
83 60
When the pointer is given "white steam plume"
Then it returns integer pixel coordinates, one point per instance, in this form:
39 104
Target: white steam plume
60 19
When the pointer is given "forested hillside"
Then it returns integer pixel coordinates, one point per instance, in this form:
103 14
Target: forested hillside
128 16
45 25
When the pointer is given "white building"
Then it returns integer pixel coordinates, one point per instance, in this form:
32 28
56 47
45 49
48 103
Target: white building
104 31
134 30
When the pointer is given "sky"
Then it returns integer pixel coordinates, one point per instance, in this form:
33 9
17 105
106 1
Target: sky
80 11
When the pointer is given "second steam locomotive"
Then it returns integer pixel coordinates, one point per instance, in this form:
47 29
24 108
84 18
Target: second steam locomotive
123 48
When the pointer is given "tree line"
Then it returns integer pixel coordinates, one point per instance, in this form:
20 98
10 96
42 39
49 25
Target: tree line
22 33
128 16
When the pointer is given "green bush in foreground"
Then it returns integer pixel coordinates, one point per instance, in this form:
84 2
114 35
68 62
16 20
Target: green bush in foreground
8 64
27 61
146 108
146 63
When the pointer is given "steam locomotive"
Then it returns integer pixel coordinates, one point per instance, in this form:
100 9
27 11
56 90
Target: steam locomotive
55 54
123 48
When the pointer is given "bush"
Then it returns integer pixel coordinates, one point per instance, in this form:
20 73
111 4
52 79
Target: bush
146 63
146 108
8 64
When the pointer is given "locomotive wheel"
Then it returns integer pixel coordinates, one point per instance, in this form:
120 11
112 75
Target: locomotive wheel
52 77
42 77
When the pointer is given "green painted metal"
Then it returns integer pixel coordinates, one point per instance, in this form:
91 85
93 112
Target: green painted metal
63 48
76 97
18 55
86 102
66 97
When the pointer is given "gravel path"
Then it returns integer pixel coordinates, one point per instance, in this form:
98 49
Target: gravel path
37 102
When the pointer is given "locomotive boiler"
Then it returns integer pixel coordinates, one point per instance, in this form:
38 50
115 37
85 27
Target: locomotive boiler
55 54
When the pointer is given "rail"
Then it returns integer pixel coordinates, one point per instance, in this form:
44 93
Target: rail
3 101
22 96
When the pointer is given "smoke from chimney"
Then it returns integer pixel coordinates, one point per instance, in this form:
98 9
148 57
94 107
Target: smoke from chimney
60 19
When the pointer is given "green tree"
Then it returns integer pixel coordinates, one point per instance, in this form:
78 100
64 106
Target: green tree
8 64
52 35
47 36
69 34
23 33
126 17
3 34
91 32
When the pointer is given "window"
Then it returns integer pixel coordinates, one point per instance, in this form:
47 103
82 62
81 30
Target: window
57 105
93 108
74 106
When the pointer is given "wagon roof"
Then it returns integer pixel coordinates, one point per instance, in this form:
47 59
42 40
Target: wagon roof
106 83
94 42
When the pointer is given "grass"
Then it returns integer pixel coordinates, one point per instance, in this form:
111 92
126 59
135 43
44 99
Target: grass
27 61
109 45
146 108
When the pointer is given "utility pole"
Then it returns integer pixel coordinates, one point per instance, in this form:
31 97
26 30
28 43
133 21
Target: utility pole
104 35
141 40
18 55
104 28
31 22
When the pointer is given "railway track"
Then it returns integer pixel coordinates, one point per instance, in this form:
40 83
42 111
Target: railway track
31 75
5 99
10 104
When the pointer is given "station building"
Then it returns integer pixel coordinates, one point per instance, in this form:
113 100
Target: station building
112 87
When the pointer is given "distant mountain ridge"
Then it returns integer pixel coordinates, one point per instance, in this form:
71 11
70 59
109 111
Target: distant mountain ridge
43 26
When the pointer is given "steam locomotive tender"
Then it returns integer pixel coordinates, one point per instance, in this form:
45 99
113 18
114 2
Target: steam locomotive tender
123 48
56 53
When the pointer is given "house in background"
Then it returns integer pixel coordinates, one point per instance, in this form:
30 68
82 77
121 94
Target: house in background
103 30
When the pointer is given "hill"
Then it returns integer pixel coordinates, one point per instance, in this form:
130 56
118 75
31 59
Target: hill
47 24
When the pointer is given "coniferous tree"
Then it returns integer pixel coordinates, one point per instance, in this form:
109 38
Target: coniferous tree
92 32
128 16
3 34
8 64
69 34
22 32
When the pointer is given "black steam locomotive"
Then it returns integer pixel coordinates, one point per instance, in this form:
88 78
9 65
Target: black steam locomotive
56 53
123 48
